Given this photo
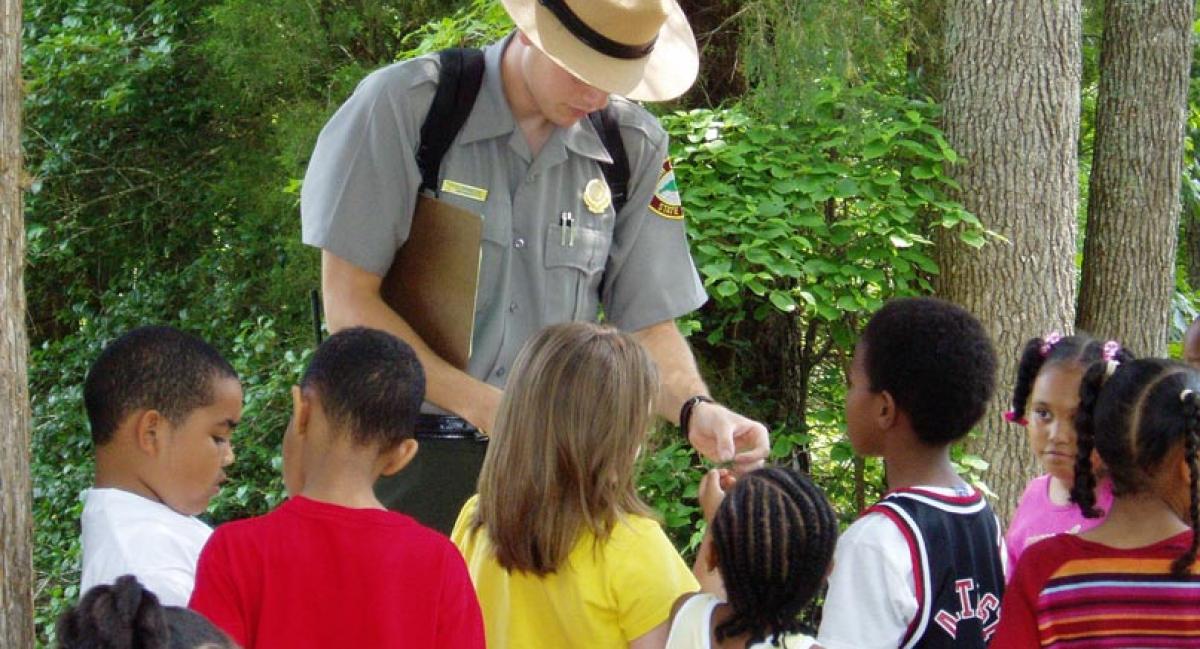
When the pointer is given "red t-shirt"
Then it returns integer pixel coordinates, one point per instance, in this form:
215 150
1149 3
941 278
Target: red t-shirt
1070 592
312 574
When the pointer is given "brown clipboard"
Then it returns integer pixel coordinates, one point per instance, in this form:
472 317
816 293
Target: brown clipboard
434 277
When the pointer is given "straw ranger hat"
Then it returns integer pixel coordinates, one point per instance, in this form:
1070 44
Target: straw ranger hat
640 49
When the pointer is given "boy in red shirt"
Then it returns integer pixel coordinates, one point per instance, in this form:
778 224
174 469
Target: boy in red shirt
331 567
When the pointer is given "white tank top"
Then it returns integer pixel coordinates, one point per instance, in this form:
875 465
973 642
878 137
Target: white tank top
690 628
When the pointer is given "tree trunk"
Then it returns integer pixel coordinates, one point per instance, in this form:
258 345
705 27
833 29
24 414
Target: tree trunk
1011 90
1191 250
16 518
1133 211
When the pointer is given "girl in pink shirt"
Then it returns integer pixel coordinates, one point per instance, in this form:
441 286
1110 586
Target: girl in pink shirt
1045 399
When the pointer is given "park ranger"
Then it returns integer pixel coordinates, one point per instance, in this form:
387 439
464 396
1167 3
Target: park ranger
558 243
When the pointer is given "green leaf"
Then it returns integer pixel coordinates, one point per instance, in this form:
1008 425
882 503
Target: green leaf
924 191
841 452
972 238
845 188
808 221
875 149
899 241
786 186
922 172
783 301
769 209
727 288
759 256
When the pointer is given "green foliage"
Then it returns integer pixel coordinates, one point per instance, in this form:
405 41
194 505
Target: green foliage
823 218
800 231
791 48
474 25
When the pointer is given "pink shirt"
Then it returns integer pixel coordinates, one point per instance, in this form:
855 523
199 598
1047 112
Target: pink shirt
1037 517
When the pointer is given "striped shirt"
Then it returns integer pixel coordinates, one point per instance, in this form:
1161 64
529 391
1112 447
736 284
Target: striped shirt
1068 592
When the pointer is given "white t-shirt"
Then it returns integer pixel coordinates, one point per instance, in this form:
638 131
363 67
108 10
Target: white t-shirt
872 571
126 534
692 627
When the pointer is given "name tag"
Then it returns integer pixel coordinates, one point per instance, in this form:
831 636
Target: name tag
467 191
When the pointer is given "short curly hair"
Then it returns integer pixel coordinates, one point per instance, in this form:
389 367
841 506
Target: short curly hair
370 385
936 361
151 367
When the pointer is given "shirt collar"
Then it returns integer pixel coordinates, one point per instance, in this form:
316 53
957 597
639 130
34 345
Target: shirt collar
494 116
582 138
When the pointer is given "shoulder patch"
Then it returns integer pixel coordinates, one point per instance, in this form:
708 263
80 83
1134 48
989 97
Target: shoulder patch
666 202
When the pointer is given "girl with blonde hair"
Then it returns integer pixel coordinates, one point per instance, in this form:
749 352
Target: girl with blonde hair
562 551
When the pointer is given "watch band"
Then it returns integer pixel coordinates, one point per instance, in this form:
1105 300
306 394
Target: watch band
685 413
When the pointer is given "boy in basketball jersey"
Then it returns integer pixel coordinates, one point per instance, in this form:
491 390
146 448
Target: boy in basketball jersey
923 567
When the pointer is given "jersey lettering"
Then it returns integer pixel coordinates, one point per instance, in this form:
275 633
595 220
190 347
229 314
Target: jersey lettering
981 609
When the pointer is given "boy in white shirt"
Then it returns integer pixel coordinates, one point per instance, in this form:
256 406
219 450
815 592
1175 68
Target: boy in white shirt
162 405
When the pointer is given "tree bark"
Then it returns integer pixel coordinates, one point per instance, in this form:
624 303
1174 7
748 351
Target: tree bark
1133 212
1191 250
1011 87
16 517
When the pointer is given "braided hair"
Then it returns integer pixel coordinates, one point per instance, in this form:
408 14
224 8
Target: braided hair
1134 414
774 536
124 615
1053 350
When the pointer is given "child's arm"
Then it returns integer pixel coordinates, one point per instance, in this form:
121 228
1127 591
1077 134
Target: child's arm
460 621
870 600
216 595
1018 625
655 638
712 493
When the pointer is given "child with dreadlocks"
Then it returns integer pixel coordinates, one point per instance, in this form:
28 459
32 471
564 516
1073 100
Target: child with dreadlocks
125 615
768 545
1045 399
923 567
1131 581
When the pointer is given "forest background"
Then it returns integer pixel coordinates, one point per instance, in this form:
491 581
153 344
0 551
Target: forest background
166 141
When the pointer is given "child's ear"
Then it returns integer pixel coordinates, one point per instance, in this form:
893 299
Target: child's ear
885 415
711 560
1099 468
399 457
301 412
150 428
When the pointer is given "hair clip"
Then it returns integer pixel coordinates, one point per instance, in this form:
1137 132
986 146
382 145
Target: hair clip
1049 342
1110 350
1111 368
1011 417
1184 395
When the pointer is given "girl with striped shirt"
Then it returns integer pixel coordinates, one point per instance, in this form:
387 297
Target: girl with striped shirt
1132 581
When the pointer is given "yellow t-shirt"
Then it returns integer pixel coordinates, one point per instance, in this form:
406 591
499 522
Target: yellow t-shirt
602 596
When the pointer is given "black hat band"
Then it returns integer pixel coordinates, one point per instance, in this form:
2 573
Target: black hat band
593 38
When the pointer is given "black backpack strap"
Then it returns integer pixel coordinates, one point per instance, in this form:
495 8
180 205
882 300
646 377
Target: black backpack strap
617 173
459 81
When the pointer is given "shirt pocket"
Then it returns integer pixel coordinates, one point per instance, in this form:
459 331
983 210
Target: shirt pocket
574 267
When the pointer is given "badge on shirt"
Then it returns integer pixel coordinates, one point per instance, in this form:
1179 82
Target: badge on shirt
666 202
597 196
464 190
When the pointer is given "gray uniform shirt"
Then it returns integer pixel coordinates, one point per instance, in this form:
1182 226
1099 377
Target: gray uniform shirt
362 183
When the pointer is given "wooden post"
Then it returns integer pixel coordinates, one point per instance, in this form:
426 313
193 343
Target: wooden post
16 517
